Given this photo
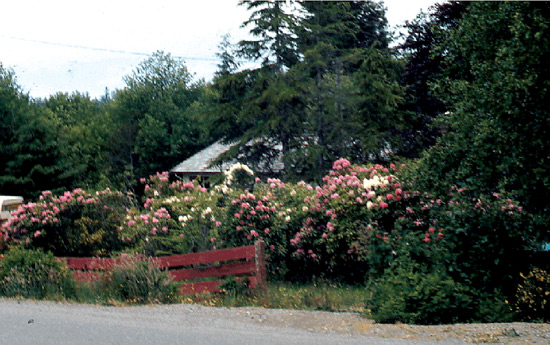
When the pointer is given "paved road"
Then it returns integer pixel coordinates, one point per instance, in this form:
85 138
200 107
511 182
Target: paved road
29 322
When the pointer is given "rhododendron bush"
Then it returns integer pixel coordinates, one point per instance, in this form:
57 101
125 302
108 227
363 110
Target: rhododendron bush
77 223
352 226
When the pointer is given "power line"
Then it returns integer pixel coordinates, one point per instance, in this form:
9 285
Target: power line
106 50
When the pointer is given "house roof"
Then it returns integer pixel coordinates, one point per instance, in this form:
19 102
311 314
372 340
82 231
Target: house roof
200 162
9 200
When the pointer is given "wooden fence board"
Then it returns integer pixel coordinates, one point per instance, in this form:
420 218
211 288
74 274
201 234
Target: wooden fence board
234 269
247 252
91 263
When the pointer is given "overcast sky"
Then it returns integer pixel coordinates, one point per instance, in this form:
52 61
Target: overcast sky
71 45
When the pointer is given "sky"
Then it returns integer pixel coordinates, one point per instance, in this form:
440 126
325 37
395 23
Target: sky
88 46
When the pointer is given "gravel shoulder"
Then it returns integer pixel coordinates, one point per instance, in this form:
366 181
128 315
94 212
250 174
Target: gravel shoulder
355 324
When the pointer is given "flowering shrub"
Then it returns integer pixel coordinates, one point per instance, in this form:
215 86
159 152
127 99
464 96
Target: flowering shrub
177 217
77 223
533 296
343 214
355 225
272 213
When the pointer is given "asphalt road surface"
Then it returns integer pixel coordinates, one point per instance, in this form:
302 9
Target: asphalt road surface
30 322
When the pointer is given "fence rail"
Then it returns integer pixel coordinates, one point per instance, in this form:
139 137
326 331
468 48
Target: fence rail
246 261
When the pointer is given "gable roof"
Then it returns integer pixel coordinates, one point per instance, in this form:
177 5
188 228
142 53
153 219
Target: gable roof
200 162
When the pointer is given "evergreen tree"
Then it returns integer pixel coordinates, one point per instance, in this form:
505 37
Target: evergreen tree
339 55
424 64
273 25
28 145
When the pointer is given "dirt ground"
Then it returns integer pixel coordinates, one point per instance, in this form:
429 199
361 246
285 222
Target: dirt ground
355 324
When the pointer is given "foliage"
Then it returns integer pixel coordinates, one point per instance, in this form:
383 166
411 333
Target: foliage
497 120
82 129
34 274
154 125
234 287
141 281
28 151
76 223
409 294
273 26
533 296
423 68
177 217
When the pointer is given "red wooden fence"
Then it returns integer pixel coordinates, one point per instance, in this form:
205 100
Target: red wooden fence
247 261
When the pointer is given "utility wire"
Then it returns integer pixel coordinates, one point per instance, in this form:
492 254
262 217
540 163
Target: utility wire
102 49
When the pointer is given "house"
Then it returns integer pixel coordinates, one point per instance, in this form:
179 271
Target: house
201 163
8 204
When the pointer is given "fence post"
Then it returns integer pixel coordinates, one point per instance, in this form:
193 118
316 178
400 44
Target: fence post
261 270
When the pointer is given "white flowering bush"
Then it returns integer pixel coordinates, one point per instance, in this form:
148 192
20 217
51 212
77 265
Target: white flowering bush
176 217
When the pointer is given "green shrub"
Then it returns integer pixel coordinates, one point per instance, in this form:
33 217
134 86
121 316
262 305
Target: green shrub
234 287
141 281
35 274
533 296
409 294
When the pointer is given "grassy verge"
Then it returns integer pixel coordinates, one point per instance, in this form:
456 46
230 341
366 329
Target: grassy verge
283 295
